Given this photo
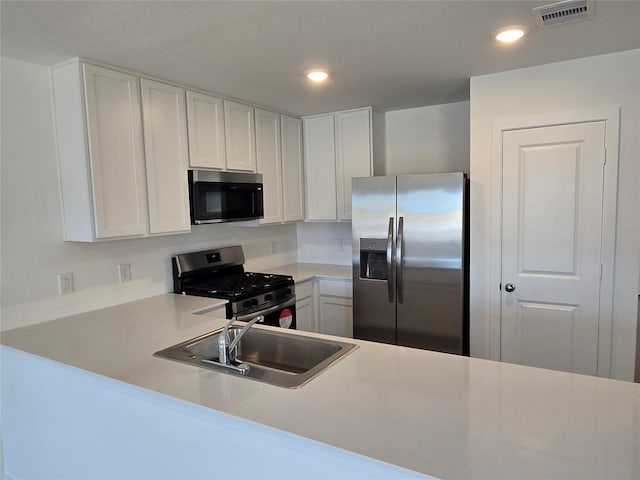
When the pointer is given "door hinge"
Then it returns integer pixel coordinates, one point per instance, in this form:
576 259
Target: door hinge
601 269
605 156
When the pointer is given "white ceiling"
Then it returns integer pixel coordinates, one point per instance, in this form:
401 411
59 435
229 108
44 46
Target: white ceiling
388 54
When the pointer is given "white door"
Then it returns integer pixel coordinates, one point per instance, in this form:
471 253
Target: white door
116 151
165 140
269 164
239 133
292 169
205 120
336 316
320 167
551 246
353 155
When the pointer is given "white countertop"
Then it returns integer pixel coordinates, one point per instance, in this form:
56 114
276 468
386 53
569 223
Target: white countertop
444 415
307 271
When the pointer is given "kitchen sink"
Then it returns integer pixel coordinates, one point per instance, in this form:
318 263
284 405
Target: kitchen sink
275 357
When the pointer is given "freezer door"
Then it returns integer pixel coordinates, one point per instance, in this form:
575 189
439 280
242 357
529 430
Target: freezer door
373 228
430 272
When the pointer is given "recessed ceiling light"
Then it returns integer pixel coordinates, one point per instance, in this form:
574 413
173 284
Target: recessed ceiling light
510 34
317 75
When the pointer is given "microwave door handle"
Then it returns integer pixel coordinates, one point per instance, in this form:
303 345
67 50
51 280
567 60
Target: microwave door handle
399 260
390 261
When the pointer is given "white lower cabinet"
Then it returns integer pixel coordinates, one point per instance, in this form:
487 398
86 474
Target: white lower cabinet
335 307
336 316
305 307
305 315
325 306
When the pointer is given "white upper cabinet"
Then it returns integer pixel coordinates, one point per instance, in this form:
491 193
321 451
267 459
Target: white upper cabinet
353 155
337 148
100 152
320 167
239 136
166 152
292 169
125 144
205 119
269 163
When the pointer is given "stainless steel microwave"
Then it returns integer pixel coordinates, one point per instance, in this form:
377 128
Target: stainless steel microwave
224 196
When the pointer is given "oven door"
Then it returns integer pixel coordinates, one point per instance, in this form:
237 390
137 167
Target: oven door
282 315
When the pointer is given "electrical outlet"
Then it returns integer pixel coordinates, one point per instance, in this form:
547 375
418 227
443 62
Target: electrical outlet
124 272
341 244
65 283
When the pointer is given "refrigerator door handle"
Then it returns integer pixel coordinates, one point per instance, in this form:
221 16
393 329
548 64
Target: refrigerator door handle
390 261
399 259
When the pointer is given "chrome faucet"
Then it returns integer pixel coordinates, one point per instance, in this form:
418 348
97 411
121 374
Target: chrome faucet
227 352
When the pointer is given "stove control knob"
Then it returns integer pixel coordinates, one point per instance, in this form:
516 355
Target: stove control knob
250 303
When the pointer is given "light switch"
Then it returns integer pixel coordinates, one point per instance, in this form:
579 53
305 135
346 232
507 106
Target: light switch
124 272
65 283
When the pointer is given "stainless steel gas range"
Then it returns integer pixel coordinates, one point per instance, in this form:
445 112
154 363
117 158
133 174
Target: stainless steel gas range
219 273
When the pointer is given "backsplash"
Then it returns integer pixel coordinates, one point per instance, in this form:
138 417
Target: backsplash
32 296
325 242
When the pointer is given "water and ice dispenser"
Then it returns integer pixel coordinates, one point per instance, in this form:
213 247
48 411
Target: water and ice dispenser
373 258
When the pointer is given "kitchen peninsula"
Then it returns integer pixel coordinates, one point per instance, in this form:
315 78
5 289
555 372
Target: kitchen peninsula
85 392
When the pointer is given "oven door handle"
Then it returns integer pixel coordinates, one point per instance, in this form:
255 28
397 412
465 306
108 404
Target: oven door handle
267 311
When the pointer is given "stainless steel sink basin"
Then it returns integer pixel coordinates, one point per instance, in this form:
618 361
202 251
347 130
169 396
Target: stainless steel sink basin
276 357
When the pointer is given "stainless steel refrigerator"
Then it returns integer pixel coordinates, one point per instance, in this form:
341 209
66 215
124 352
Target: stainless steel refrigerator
410 261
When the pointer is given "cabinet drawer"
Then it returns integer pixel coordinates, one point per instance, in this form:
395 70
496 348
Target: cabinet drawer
336 288
304 289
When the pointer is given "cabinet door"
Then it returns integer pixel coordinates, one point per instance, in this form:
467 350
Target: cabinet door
165 140
115 151
320 165
239 136
292 169
353 155
269 162
336 316
205 120
304 315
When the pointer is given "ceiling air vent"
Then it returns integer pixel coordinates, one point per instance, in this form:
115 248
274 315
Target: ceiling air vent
563 12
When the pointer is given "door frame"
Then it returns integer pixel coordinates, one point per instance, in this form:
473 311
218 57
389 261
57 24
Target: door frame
611 116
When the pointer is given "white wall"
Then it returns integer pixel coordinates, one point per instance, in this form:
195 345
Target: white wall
32 249
431 139
596 82
324 242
